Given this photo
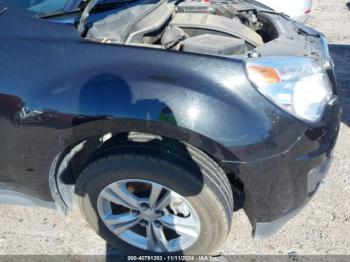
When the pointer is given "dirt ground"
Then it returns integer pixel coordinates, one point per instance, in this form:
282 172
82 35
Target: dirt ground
323 227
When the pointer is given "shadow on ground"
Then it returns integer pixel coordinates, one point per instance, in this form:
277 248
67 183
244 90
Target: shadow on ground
341 57
348 5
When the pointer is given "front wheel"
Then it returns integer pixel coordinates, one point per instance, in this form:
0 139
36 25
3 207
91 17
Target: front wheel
142 204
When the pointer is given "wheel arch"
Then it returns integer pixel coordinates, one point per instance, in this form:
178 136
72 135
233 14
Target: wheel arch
83 144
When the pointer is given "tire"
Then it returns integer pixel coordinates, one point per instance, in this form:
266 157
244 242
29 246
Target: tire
198 180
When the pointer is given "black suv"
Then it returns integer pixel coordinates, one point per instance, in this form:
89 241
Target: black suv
164 117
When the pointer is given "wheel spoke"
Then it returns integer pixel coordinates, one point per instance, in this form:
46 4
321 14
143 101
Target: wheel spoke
182 226
160 237
119 194
120 189
155 192
111 219
122 222
151 239
114 198
164 201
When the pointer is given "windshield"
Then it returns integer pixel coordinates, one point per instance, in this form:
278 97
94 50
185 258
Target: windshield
41 6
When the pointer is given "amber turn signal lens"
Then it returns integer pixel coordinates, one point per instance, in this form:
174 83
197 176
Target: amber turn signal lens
268 75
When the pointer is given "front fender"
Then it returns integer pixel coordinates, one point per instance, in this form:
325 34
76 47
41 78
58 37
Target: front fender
206 95
76 80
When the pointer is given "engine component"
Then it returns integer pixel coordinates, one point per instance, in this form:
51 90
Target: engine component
172 37
214 44
229 10
193 7
113 26
150 23
133 23
241 12
212 24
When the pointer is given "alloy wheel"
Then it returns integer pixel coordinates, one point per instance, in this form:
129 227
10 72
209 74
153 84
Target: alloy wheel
148 215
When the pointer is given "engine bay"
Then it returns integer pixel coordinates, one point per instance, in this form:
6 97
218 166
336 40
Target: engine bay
216 27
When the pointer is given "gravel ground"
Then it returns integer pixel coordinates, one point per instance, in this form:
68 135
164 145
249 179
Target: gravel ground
323 227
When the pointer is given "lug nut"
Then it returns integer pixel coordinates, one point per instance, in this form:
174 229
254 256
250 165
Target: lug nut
157 223
135 213
143 223
144 206
159 213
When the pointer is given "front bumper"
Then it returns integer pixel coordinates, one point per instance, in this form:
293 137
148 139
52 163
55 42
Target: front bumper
314 181
276 188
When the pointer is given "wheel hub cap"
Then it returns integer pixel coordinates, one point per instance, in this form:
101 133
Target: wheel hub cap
149 215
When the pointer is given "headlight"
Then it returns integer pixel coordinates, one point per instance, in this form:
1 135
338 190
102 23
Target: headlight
296 84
